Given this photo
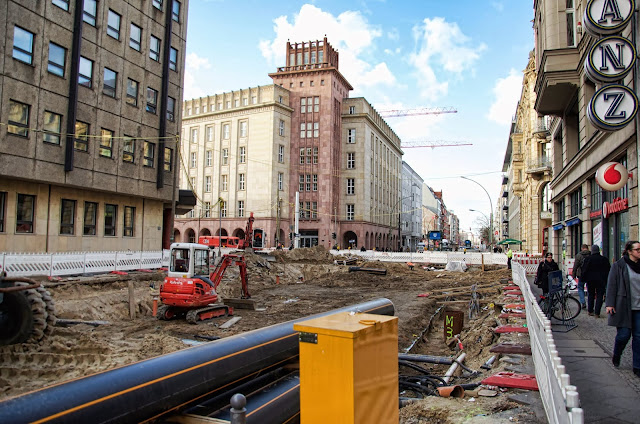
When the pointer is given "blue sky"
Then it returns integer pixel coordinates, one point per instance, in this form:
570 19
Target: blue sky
398 54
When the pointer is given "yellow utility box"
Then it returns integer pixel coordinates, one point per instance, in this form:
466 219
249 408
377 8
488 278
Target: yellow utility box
349 369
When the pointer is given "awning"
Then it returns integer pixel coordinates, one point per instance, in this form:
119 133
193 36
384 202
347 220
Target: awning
510 241
572 221
558 227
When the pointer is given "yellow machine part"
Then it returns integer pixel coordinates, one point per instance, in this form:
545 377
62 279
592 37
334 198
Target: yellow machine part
349 369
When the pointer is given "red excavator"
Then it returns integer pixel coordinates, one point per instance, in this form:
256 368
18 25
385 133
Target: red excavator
190 290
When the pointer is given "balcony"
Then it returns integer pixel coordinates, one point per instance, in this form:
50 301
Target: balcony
505 180
541 129
540 165
558 80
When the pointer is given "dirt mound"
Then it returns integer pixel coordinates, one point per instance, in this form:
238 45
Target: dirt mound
316 254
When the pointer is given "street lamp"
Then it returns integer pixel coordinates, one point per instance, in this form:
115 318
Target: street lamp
400 214
485 215
490 212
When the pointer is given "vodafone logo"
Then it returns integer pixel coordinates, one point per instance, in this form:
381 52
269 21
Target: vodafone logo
612 176
618 205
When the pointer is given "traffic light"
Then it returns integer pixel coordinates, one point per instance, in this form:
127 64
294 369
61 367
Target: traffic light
333 236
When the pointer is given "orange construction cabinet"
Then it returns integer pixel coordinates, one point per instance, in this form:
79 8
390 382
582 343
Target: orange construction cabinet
349 369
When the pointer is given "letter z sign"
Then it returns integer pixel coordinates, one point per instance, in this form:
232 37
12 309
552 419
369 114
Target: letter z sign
612 107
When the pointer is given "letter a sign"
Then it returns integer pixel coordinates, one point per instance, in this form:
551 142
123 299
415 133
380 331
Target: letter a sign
606 17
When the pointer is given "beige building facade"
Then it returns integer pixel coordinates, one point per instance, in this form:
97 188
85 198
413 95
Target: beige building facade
88 123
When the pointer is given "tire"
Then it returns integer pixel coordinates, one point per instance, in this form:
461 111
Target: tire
567 310
165 313
16 318
38 312
50 307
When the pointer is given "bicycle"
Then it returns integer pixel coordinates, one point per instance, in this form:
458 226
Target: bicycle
563 306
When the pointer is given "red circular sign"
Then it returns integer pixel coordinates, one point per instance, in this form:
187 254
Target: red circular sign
612 176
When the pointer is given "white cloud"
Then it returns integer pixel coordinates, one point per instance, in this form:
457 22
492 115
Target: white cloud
499 6
393 35
441 45
349 32
507 94
194 64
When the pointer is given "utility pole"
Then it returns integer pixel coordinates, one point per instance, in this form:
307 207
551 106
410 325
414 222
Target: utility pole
296 239
278 221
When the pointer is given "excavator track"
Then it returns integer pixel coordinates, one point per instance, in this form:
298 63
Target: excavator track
208 312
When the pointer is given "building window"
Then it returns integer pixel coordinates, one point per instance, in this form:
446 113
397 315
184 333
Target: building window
207 209
224 182
576 199
62 4
173 59
560 209
128 149
596 195
154 48
194 135
152 100
208 158
110 219
281 128
316 104
315 182
106 143
302 129
157 4
350 212
135 38
351 135
309 155
308 185
236 103
18 118
240 208
225 131
228 104
316 129
193 185
194 159
85 75
132 92
243 154
245 101
90 217
89 12
81 140
352 110
303 104
301 207
301 183
309 129
175 11
113 25
149 154
24 213
171 106
223 210
351 186
207 184
351 160
129 220
210 133
110 81
314 210
52 126
302 150
243 129
315 155
280 179
241 183
571 24
281 153
3 205
225 156
67 217
23 45
168 159
57 58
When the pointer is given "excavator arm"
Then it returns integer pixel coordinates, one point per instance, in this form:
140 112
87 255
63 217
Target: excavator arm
218 273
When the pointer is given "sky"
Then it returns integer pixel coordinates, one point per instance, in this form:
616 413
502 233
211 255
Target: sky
398 54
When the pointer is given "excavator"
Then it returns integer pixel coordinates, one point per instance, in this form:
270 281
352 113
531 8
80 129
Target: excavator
189 290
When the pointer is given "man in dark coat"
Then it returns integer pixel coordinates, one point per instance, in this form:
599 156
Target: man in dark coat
545 267
576 272
595 270
623 303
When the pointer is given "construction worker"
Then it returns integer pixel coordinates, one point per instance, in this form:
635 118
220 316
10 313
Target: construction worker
509 257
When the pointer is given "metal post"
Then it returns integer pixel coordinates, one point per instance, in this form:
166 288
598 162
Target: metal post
238 412
490 211
220 203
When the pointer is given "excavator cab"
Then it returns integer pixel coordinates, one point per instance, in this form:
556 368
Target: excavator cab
188 260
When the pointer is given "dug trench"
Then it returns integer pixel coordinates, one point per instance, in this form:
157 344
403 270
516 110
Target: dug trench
292 285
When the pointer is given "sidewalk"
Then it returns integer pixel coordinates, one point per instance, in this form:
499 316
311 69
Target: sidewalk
607 394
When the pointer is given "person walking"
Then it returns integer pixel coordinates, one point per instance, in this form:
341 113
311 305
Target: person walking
545 267
623 303
576 272
595 270
509 256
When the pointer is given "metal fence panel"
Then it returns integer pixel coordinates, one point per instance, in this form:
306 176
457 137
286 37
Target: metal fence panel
128 261
25 265
67 263
97 262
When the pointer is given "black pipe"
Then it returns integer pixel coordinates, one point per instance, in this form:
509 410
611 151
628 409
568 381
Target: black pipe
148 389
442 360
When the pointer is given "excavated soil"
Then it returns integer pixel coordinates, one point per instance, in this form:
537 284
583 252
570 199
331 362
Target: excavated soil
296 284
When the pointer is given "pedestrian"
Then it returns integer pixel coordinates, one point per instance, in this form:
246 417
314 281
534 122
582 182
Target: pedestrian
623 303
363 249
595 270
545 267
576 272
509 256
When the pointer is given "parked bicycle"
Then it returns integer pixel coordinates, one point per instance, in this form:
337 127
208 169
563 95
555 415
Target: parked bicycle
560 305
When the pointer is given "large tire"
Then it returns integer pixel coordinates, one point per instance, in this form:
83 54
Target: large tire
38 311
16 318
50 306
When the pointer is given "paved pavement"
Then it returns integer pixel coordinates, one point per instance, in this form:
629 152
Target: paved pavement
607 394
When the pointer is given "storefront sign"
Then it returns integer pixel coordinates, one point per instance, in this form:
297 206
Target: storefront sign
597 234
595 214
612 107
558 227
610 59
612 176
618 205
605 17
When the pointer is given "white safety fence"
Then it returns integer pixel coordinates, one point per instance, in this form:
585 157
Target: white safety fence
559 397
429 257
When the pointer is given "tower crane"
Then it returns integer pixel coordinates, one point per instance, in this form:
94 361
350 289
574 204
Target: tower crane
433 143
419 111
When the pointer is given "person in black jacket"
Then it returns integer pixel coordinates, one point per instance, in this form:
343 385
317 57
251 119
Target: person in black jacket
545 267
595 270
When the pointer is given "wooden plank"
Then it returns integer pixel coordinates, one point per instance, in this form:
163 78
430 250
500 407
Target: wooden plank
523 349
64 322
230 322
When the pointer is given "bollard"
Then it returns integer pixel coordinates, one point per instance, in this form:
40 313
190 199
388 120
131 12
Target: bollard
577 416
238 412
573 401
155 306
277 279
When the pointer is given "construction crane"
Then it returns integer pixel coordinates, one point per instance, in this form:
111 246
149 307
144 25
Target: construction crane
418 111
433 143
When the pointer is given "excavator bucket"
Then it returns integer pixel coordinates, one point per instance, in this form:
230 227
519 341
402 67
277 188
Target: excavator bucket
237 303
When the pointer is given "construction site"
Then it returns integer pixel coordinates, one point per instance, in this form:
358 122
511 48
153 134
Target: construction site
446 337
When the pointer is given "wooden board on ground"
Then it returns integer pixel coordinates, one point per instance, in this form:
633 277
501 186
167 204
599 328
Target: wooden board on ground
230 322
241 303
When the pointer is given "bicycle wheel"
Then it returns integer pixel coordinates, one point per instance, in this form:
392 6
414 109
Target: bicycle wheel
567 308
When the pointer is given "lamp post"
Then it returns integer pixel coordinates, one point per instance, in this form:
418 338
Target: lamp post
486 217
490 211
400 214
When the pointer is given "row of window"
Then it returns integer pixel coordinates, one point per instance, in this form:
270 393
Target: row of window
207 210
25 217
90 10
224 156
308 182
52 132
212 107
226 132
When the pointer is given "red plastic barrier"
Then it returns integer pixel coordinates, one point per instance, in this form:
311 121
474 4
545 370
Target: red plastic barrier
510 329
514 306
518 292
513 380
512 315
118 272
511 288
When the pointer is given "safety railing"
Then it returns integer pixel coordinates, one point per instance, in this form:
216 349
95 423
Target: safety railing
432 257
559 397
